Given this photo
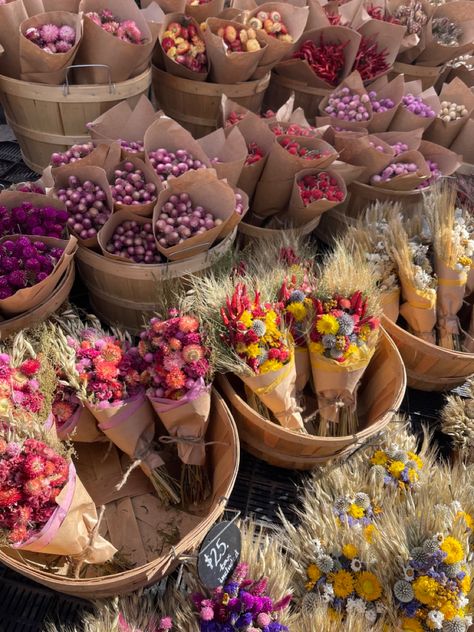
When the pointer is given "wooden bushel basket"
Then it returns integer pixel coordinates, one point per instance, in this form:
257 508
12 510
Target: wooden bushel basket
127 293
429 367
196 105
147 534
48 119
249 233
427 74
380 395
38 314
306 97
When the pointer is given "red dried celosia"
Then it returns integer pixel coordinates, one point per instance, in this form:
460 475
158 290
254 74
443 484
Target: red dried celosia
377 13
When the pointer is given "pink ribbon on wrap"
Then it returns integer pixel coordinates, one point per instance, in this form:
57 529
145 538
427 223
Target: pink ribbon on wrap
47 533
134 404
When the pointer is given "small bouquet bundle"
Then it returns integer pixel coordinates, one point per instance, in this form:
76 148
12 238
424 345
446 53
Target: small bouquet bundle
418 284
342 338
43 505
241 604
453 252
432 595
396 467
255 333
184 48
111 388
378 48
178 372
27 385
30 269
296 307
457 421
343 581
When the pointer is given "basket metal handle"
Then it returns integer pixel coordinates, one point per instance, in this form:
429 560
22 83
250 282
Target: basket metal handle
66 89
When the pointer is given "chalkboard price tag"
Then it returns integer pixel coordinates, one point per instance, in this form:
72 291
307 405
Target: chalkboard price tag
219 554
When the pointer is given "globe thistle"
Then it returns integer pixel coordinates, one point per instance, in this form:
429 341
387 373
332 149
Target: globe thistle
329 341
419 556
263 357
400 455
455 625
378 472
392 450
371 615
346 325
403 591
325 563
309 602
362 500
452 570
430 546
297 296
259 328
341 504
411 465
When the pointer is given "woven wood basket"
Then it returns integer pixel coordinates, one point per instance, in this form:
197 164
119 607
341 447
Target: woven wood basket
152 538
196 105
429 367
127 294
40 313
48 119
380 395
306 97
249 233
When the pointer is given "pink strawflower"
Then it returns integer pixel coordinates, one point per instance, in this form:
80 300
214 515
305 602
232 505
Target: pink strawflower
263 619
207 614
95 17
62 46
67 33
49 33
165 624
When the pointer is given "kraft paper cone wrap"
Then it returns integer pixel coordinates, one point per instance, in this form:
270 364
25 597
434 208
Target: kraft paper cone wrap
419 310
81 427
187 419
131 427
411 43
155 16
228 106
412 180
250 5
469 338
65 5
201 12
302 368
300 70
204 189
358 151
231 150
236 218
393 90
352 13
274 188
167 6
298 214
171 65
27 298
448 161
356 86
390 301
253 129
444 133
388 38
70 530
470 282
463 71
230 67
337 383
449 300
105 233
38 66
405 121
277 391
317 17
89 172
294 18
436 54
124 59
145 209
349 173
463 144
12 15
412 139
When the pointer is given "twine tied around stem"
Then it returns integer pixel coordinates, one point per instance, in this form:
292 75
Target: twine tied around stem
191 441
81 559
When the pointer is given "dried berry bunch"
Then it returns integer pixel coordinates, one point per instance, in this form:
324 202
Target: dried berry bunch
412 15
327 60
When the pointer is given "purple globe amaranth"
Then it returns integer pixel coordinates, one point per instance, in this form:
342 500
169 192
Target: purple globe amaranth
17 278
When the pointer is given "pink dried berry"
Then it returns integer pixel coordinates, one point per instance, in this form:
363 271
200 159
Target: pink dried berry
49 33
67 34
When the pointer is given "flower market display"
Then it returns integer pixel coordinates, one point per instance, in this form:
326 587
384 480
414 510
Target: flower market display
251 231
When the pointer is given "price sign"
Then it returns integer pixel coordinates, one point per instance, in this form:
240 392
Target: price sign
219 554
